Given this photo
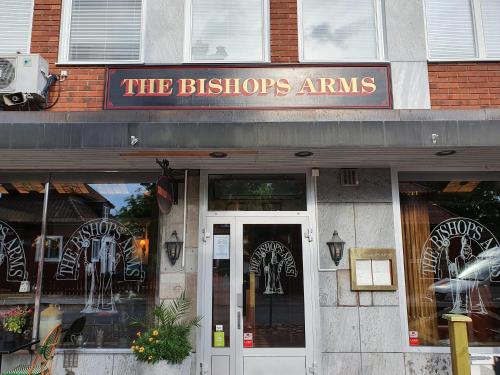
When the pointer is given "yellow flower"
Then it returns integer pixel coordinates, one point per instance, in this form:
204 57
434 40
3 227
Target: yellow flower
150 358
133 347
155 333
139 334
157 341
150 339
141 349
133 342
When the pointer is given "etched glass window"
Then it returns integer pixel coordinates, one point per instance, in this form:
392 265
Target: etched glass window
107 267
450 231
21 205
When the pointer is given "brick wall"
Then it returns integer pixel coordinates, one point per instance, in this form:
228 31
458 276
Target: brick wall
84 88
284 31
464 85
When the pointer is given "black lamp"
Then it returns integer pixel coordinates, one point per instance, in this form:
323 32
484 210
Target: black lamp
336 247
173 247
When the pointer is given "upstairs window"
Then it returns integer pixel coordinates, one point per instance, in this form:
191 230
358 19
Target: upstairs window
228 30
15 26
463 29
339 30
98 31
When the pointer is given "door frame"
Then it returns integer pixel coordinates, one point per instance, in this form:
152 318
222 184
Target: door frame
313 358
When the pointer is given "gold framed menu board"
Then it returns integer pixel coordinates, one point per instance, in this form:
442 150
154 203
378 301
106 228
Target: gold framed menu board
373 269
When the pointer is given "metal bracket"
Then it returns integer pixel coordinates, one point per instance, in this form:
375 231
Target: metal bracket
309 235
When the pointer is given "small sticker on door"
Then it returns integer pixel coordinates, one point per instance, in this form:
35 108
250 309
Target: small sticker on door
219 341
248 340
219 328
414 340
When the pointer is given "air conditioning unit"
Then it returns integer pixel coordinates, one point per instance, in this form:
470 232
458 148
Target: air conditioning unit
22 76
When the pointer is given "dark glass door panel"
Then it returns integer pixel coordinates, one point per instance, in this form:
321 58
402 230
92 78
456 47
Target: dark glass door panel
273 286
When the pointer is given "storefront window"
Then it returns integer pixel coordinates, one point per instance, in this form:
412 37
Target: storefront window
100 265
451 228
257 192
106 271
21 205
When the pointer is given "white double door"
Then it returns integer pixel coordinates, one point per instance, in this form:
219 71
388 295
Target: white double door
257 296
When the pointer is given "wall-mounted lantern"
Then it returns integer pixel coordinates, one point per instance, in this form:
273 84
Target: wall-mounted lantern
336 247
173 246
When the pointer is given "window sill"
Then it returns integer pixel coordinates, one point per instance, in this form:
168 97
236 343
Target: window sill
474 60
95 350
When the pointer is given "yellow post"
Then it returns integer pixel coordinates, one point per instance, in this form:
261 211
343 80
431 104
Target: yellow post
459 344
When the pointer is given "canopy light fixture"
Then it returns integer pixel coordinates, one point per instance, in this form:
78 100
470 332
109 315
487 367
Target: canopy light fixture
303 154
217 154
446 153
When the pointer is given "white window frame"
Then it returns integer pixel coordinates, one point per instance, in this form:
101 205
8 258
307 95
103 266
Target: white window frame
63 56
380 36
266 43
398 233
477 26
59 240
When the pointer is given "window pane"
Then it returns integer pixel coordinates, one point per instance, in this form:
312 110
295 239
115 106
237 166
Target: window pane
227 30
450 29
221 284
257 193
105 30
339 30
15 26
21 205
452 257
273 286
107 270
490 11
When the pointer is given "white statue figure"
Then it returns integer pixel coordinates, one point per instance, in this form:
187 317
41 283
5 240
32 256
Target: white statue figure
100 270
465 290
272 271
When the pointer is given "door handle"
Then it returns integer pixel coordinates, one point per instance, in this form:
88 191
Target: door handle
238 318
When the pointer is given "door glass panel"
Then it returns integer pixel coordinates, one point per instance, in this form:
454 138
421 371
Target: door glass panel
257 192
221 285
273 287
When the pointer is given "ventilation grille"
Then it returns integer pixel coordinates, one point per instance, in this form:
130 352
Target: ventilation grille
349 177
7 72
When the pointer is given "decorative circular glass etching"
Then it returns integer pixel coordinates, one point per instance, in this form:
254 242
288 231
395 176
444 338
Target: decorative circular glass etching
12 252
108 251
462 255
271 258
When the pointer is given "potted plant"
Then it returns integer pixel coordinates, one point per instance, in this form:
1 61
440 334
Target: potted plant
15 320
163 346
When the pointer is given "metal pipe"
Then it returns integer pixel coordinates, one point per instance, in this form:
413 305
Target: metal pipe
184 220
38 288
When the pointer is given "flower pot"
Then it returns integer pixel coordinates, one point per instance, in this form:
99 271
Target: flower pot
165 368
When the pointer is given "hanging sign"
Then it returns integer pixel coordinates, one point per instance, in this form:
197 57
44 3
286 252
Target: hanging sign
257 87
219 341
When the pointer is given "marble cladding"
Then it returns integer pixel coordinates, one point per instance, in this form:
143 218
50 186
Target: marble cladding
428 364
383 363
410 85
340 330
380 329
374 187
341 363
